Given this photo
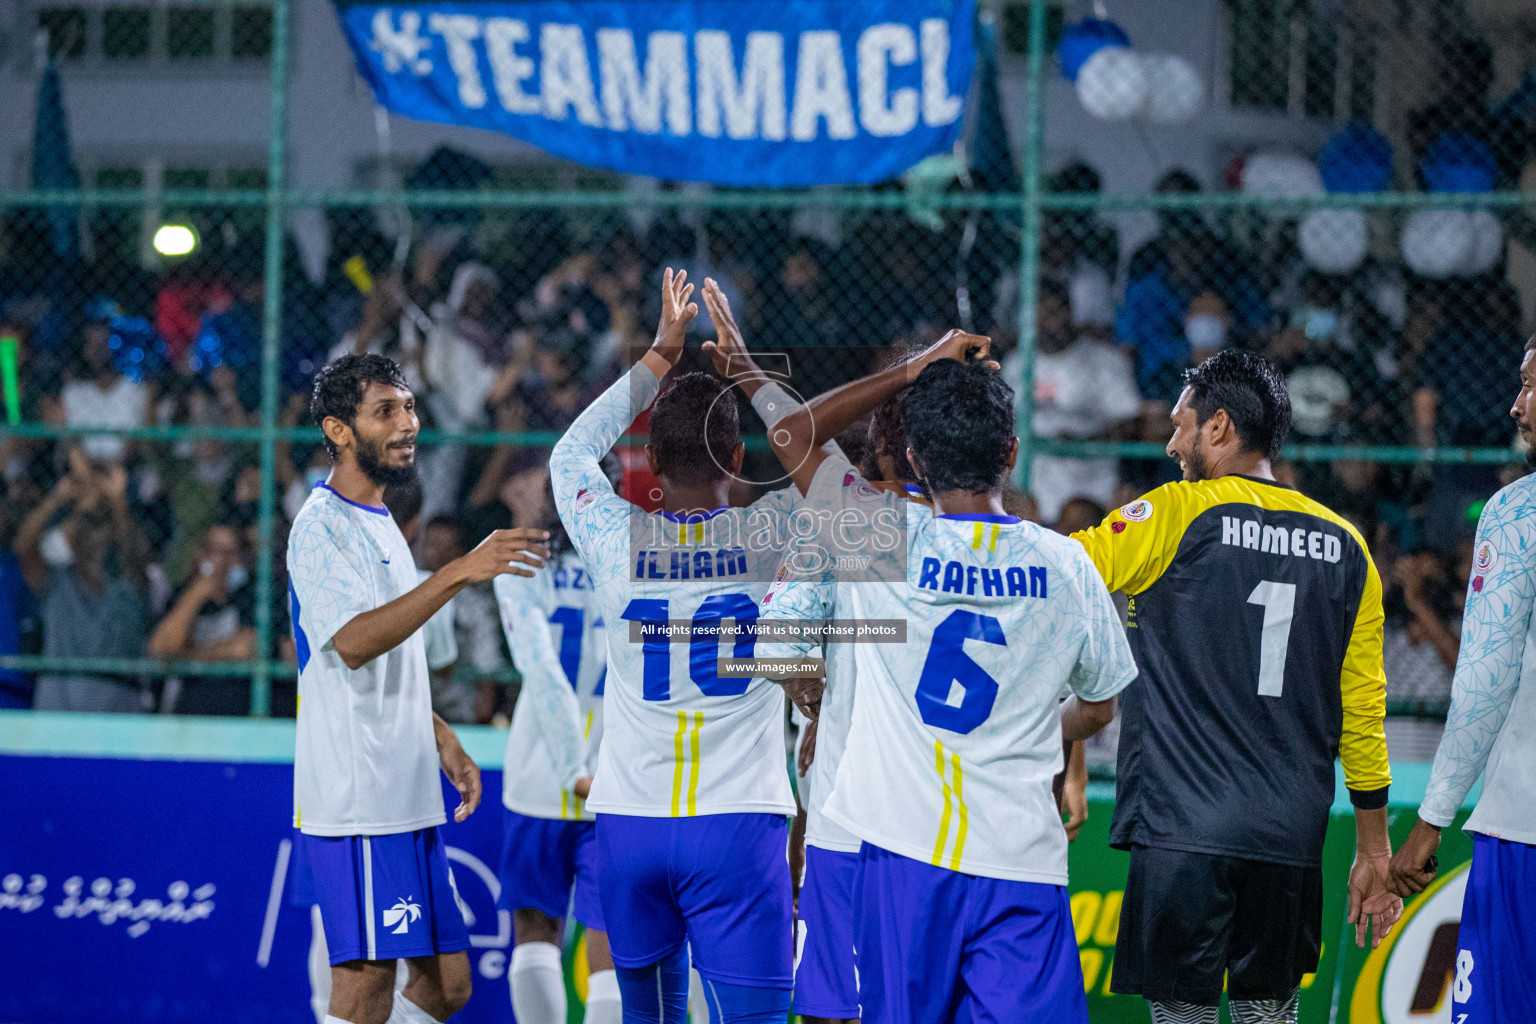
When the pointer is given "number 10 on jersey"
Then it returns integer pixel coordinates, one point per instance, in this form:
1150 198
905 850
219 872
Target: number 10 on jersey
703 644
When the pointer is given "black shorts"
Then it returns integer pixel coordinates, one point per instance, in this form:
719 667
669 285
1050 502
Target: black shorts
1190 920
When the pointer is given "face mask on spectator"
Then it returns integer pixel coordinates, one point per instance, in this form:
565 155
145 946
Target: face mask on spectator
234 579
1206 331
55 549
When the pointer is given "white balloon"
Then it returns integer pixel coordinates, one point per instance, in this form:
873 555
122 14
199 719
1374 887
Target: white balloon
1283 175
1333 241
1487 243
1112 84
1175 92
1437 243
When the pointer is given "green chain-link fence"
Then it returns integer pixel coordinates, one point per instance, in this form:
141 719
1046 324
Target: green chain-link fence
1336 185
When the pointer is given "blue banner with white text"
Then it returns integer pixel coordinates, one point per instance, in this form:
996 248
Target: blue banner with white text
163 892
766 93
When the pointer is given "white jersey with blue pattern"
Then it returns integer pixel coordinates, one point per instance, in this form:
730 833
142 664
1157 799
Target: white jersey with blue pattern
442 646
807 600
365 759
956 734
678 740
555 632
1491 729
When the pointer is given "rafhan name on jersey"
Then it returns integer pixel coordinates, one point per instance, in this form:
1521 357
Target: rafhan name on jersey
1256 621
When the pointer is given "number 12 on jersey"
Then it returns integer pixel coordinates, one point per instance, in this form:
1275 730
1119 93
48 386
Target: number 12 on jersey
1279 603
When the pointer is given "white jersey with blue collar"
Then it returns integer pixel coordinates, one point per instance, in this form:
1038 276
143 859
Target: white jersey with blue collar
955 734
679 740
365 759
556 634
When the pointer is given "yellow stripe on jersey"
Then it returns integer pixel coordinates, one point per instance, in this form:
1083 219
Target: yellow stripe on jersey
677 764
686 754
586 733
565 804
693 768
938 847
982 534
954 860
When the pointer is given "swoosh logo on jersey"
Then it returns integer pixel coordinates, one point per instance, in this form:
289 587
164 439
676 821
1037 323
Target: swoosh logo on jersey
386 561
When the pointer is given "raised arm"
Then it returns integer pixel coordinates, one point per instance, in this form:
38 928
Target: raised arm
585 499
732 360
29 536
171 636
553 696
798 438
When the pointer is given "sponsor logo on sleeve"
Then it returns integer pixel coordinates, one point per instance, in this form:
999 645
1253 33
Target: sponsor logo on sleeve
585 499
1484 560
1138 511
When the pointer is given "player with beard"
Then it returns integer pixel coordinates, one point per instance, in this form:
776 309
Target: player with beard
1256 621
1491 733
366 796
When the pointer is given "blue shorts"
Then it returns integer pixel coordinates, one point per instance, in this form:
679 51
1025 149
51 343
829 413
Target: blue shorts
385 897
719 882
826 984
1493 979
934 943
542 859
301 888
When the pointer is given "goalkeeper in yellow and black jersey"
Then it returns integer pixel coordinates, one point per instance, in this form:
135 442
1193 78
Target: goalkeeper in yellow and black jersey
1256 622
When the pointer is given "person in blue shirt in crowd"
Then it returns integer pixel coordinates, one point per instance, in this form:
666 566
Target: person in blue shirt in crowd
1190 303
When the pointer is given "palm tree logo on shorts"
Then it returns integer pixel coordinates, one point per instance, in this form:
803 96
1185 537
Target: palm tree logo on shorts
402 914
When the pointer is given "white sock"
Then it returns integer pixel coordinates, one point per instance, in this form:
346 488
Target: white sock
698 1008
319 969
406 1012
538 983
603 1005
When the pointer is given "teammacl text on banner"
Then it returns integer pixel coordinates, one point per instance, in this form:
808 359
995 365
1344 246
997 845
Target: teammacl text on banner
734 92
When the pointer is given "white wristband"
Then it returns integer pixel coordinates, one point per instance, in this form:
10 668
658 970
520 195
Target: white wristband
772 403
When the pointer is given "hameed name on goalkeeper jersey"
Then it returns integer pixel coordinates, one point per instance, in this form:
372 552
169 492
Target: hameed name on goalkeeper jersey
956 733
678 740
1256 620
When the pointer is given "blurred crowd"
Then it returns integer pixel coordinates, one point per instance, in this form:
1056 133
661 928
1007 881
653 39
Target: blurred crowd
131 548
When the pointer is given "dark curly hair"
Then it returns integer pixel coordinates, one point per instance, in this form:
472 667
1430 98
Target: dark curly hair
960 425
1251 391
695 407
340 386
